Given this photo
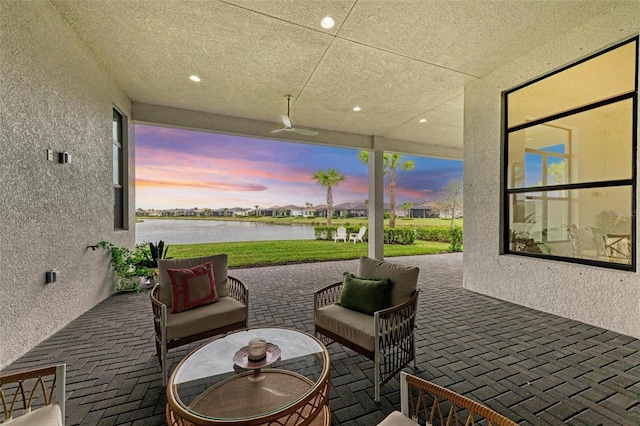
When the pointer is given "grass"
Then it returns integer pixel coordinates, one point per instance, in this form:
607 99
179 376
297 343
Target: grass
244 254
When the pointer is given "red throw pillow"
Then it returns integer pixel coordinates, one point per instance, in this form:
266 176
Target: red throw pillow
192 287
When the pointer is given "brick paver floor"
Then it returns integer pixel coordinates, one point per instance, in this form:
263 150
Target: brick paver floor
533 367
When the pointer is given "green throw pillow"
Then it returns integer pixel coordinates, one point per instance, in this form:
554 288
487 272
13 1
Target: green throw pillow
364 295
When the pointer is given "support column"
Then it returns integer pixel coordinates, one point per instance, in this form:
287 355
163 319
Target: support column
376 201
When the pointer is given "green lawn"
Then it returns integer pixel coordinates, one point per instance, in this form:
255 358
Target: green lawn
265 253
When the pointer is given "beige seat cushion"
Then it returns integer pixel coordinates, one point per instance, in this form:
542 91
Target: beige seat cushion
49 415
224 312
351 325
219 274
405 278
397 419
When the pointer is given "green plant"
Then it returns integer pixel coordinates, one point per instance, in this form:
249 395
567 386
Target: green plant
152 253
128 266
400 235
456 236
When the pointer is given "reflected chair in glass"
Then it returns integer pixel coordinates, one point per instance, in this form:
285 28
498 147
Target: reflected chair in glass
585 243
618 247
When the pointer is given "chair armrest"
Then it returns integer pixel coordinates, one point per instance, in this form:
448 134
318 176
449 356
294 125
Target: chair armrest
238 290
395 323
327 295
156 305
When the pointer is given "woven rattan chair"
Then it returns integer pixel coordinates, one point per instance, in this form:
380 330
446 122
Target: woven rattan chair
387 337
427 403
27 397
230 313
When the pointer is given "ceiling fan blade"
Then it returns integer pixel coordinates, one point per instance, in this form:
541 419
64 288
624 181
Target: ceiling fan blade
305 132
286 121
277 130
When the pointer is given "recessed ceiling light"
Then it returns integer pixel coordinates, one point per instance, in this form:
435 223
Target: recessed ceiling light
327 22
194 78
356 109
422 120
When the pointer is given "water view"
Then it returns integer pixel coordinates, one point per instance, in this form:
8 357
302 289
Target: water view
173 231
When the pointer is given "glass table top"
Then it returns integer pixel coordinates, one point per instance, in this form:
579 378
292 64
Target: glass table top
209 384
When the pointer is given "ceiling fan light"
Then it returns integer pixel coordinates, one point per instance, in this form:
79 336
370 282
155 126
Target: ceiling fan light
422 120
194 78
357 108
327 22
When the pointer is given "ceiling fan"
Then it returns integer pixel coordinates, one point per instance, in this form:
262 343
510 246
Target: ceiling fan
288 127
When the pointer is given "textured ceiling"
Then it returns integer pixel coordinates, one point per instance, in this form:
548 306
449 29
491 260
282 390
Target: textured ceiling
398 60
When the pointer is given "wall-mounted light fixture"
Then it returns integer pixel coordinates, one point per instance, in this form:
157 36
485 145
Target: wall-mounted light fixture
64 157
51 276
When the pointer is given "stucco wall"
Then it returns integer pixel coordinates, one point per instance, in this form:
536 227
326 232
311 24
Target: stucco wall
53 95
598 296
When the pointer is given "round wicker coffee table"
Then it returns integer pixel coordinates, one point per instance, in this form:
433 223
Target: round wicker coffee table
214 386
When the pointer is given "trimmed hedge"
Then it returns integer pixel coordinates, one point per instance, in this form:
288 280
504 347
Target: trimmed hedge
434 233
402 235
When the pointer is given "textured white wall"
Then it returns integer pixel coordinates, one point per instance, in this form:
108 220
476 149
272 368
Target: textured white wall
598 296
53 95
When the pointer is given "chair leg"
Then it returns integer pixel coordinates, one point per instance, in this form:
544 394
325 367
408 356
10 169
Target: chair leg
163 355
413 343
164 364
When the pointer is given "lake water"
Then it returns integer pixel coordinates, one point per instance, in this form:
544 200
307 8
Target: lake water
173 231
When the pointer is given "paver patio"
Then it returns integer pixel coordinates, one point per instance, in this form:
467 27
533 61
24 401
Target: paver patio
533 367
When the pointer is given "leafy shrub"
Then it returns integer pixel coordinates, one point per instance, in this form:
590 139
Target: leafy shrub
434 233
401 235
456 239
387 215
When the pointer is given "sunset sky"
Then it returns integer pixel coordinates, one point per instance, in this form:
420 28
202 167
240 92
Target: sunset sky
185 169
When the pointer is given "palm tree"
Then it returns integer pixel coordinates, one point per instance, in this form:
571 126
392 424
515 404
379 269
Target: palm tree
391 163
329 178
256 206
407 208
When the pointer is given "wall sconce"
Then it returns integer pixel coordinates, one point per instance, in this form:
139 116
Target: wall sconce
64 157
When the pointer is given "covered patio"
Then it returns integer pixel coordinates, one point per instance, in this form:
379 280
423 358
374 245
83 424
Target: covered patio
533 367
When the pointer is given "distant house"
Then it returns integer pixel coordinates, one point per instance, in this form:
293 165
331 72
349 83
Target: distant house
423 210
267 211
309 212
351 209
240 211
290 210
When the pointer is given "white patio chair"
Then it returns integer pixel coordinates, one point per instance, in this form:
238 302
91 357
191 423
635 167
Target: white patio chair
359 236
340 234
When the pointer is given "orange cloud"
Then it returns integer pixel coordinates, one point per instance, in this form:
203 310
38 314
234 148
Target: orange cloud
219 186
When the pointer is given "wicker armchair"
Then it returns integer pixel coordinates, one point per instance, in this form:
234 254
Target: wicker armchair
387 337
28 397
427 403
230 313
